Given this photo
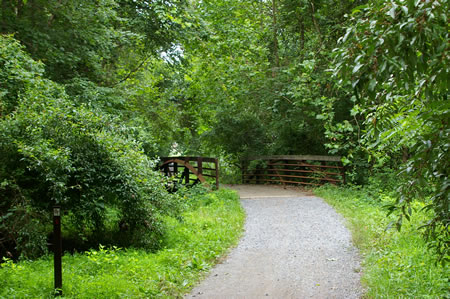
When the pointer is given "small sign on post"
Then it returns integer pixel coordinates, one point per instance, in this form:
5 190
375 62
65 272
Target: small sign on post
57 249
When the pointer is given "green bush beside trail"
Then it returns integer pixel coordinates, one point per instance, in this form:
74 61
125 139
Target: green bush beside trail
194 242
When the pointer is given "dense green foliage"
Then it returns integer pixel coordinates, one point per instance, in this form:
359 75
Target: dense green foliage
66 130
94 91
57 152
212 223
395 264
259 73
395 57
88 40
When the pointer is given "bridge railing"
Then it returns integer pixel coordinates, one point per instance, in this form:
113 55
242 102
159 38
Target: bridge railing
300 170
191 169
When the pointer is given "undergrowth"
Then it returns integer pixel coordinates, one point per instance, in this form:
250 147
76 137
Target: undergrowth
396 264
196 239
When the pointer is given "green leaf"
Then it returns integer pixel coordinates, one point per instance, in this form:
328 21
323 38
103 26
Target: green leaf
404 9
357 67
372 84
391 12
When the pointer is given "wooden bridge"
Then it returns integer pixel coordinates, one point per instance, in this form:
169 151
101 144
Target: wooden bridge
191 170
300 170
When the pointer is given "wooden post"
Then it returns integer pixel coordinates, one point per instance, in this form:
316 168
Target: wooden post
243 170
166 169
256 173
216 163
200 165
343 174
275 170
319 172
186 171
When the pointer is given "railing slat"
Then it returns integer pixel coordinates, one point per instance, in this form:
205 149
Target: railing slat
298 158
292 166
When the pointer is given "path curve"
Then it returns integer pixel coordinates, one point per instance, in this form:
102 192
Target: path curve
294 246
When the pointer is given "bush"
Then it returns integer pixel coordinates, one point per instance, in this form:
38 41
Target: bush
55 151
192 246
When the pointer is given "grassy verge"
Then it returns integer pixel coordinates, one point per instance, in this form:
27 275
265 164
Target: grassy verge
395 264
193 245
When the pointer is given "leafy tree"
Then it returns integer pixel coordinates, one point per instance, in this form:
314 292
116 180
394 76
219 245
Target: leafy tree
155 106
265 61
89 39
55 151
395 57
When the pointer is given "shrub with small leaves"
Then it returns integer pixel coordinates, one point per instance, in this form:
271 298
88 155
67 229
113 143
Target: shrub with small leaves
55 151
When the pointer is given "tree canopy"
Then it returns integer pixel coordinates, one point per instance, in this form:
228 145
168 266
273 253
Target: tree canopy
93 92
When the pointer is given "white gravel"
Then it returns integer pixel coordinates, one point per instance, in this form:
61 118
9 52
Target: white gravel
294 246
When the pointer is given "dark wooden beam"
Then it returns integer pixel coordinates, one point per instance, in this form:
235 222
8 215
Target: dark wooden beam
298 158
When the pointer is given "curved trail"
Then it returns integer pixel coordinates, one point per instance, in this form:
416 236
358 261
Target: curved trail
294 246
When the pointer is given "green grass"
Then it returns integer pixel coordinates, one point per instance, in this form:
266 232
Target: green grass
395 264
192 246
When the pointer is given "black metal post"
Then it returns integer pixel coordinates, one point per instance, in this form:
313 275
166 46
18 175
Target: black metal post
57 249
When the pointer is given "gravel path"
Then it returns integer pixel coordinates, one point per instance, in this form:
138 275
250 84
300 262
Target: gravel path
294 246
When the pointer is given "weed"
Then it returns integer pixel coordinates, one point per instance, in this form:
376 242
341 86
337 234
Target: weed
192 246
395 264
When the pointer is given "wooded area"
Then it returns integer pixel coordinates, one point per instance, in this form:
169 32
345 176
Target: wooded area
94 92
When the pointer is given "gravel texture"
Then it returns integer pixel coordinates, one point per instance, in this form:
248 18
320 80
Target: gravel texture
294 246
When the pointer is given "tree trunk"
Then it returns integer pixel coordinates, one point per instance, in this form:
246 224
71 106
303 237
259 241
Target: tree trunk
6 12
3 12
313 18
33 12
302 34
276 57
20 8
